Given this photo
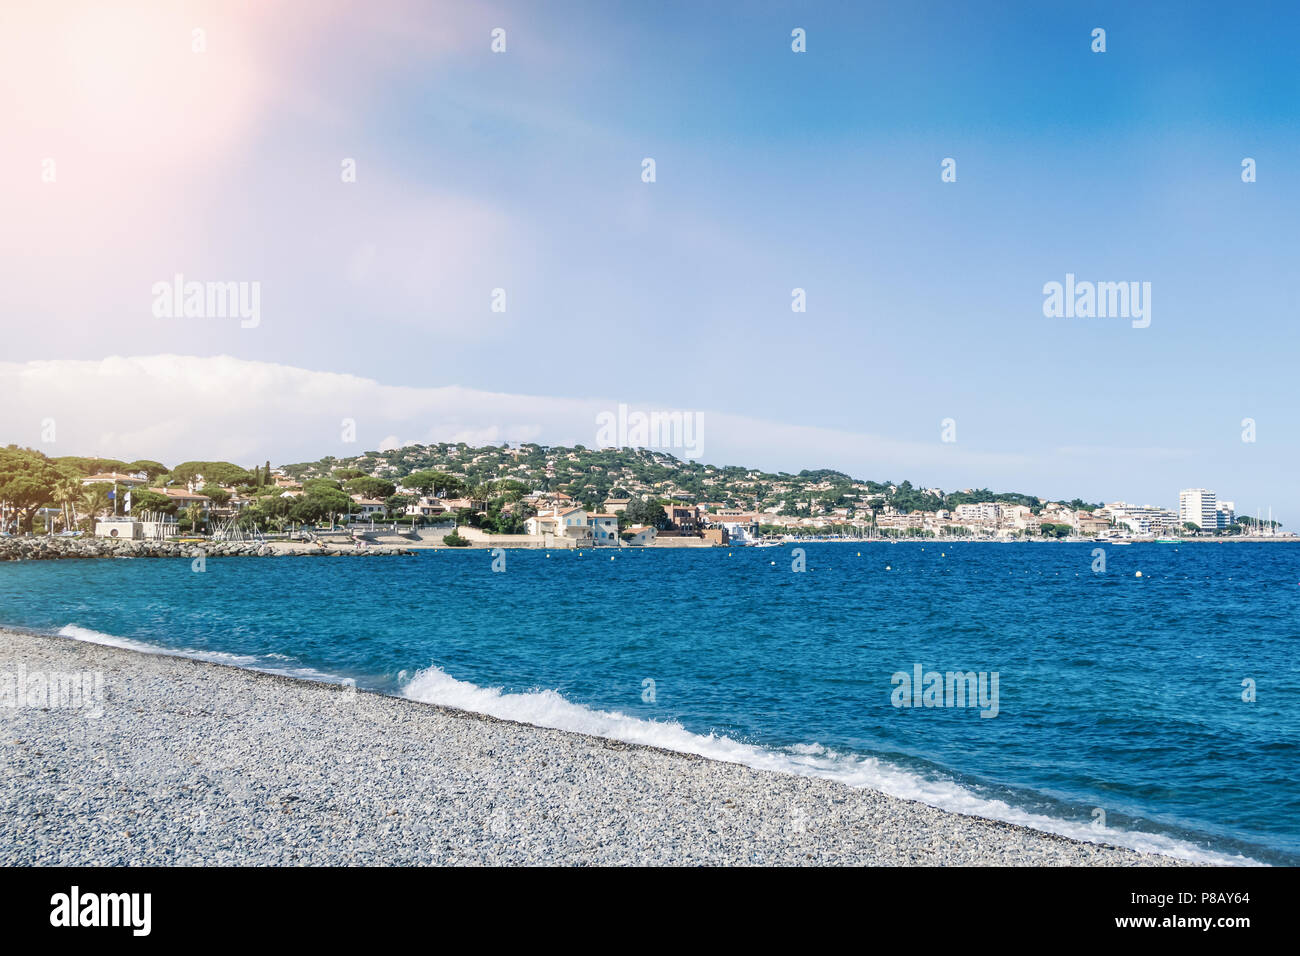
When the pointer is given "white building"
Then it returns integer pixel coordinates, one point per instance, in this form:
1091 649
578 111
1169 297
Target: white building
741 529
1197 506
641 535
571 518
1054 513
985 513
118 528
1226 512
1144 519
604 528
566 522
1015 517
543 523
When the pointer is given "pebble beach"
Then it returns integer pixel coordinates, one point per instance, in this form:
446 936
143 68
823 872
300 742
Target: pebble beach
195 763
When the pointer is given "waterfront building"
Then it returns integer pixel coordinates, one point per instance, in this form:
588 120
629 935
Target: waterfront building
1197 506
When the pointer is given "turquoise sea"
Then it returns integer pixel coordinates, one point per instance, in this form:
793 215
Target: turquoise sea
1119 709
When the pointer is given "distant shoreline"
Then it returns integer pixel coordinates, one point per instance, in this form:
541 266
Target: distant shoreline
1295 540
45 548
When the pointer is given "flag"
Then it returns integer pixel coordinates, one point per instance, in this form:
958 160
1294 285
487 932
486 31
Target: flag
128 499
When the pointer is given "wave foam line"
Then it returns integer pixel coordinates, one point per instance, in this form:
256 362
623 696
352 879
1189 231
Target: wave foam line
548 708
246 661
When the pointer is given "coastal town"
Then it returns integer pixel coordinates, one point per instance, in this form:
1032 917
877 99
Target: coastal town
529 495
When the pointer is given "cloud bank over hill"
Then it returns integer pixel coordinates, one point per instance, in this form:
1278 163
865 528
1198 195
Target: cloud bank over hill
177 407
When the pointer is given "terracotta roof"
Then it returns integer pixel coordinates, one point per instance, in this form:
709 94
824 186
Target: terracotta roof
177 493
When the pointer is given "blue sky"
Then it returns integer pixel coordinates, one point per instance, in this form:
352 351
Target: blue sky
774 170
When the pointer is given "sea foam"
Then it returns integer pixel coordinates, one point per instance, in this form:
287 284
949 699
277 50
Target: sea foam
548 708
267 664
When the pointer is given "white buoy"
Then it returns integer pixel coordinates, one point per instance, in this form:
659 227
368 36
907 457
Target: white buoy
1137 574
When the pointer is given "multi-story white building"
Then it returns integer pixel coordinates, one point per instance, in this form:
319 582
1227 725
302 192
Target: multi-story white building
1014 516
1197 506
1143 519
1226 513
986 512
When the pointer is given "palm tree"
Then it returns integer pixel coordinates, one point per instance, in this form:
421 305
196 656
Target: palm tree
91 500
193 513
66 493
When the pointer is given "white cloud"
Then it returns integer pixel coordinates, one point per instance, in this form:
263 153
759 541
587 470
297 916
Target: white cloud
176 407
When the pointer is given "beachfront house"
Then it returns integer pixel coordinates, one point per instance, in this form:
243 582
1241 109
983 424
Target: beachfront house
741 529
543 523
456 504
183 499
425 507
572 520
369 507
639 535
685 518
604 528
563 522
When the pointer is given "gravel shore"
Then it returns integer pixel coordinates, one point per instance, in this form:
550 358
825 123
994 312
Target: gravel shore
45 548
195 763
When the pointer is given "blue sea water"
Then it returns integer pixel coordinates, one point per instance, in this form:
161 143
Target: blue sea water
1116 693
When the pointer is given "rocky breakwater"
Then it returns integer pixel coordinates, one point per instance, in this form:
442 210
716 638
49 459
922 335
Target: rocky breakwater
51 549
